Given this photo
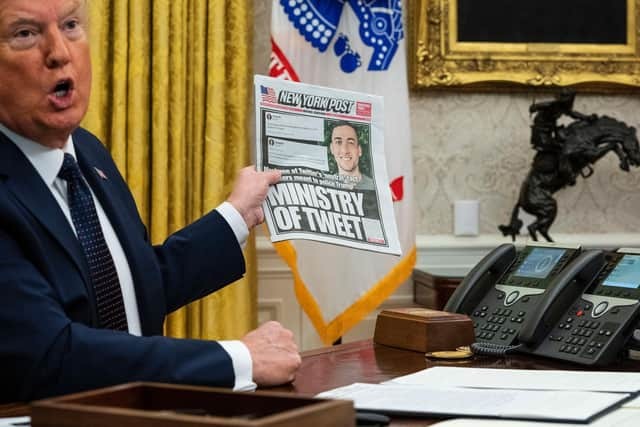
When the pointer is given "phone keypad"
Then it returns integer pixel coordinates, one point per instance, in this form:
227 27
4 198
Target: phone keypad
490 324
570 349
587 339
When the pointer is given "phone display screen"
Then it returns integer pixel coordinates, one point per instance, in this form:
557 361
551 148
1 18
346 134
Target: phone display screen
626 274
539 263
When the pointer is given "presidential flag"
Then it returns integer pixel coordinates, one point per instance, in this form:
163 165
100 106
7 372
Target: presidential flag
357 45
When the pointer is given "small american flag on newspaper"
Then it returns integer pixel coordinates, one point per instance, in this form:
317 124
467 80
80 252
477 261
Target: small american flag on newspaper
268 94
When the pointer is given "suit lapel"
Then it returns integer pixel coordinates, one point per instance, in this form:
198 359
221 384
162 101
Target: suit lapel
27 187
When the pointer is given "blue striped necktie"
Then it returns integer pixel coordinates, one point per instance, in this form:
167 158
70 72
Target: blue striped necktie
102 270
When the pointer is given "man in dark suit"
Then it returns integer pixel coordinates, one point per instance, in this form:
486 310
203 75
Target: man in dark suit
83 293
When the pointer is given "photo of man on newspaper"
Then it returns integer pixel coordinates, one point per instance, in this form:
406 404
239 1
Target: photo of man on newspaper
348 154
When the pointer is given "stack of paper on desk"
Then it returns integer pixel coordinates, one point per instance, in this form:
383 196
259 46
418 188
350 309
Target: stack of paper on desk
501 393
627 416
452 402
620 418
524 379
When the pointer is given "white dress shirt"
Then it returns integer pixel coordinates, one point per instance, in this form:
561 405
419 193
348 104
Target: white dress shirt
48 161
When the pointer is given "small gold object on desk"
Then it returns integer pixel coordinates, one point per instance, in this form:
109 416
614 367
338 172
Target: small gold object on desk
423 329
454 354
168 405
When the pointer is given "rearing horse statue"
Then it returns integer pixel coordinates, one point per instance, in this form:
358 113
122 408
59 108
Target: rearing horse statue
564 154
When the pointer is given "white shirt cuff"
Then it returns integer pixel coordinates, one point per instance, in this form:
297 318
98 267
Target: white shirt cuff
235 221
242 365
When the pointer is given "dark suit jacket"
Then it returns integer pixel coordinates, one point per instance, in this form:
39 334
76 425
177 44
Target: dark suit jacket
48 341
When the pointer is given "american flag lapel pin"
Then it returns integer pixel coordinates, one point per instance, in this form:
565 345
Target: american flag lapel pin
100 173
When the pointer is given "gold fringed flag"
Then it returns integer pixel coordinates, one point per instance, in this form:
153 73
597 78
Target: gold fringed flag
360 46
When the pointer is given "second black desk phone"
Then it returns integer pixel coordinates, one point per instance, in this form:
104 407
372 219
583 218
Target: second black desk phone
553 300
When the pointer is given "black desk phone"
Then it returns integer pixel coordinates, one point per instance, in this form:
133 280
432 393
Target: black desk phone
594 328
553 301
501 291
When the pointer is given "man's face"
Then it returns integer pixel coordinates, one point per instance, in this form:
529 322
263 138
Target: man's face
45 69
345 148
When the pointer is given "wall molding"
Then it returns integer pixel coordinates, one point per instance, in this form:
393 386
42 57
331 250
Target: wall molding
450 255
270 309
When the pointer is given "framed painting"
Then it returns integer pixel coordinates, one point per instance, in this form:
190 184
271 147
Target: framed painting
586 44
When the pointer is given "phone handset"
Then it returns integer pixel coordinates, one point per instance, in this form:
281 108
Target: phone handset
565 288
480 279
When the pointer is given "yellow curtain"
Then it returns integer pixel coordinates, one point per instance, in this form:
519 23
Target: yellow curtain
170 99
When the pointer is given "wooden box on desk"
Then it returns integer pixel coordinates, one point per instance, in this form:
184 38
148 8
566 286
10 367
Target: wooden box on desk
166 405
434 290
423 329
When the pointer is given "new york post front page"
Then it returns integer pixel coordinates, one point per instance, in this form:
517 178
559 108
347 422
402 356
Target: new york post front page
329 145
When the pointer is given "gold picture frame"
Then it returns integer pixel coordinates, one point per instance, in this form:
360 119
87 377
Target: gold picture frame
438 60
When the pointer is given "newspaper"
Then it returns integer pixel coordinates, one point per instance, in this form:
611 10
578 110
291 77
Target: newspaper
329 145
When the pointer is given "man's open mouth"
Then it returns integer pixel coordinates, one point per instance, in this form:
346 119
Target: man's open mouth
62 88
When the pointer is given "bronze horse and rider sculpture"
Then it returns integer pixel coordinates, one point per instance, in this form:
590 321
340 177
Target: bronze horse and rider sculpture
565 153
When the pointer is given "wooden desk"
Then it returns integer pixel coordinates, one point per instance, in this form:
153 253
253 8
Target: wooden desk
13 410
364 361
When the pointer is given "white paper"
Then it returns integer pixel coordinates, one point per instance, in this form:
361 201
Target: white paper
15 422
635 403
515 404
619 418
523 379
330 191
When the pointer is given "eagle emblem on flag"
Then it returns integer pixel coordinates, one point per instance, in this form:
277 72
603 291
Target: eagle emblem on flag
380 28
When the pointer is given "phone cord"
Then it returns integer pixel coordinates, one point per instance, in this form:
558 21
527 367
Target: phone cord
491 349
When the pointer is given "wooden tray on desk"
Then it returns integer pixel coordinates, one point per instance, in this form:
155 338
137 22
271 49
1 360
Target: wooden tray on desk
163 405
